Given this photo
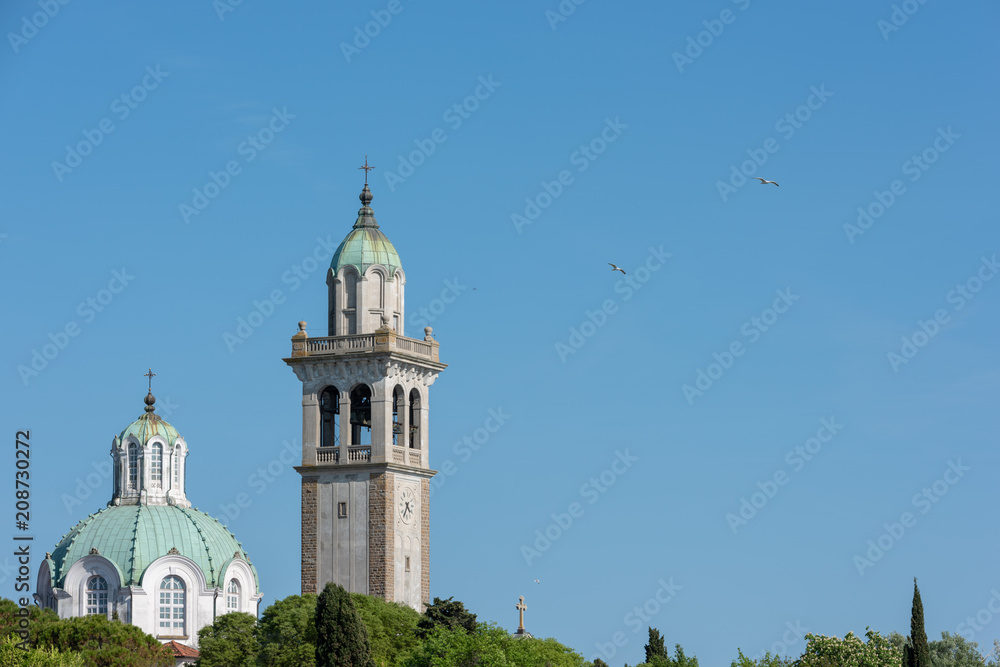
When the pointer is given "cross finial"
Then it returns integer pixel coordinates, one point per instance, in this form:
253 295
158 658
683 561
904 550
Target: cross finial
367 169
150 375
520 608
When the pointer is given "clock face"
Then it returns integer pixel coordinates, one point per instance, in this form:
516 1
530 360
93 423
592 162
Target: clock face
407 505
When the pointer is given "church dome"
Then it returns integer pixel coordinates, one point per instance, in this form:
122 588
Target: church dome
366 244
149 425
133 536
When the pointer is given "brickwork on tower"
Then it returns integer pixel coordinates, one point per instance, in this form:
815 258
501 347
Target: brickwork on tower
309 526
381 535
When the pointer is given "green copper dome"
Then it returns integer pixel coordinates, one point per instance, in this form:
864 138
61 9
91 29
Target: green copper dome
133 536
366 244
148 425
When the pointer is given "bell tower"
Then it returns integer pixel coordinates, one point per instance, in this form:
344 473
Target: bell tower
365 404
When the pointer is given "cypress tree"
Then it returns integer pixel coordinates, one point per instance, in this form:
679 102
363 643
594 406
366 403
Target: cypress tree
341 636
656 648
917 653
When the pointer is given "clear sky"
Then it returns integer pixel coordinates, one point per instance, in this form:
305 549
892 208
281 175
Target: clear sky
782 414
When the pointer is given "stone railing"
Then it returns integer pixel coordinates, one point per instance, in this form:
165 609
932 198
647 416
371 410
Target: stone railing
355 454
328 455
383 340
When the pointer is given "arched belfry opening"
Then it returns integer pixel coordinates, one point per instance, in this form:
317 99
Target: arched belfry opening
414 419
361 415
329 414
398 411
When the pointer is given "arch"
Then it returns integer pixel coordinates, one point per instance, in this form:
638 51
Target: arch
171 607
133 465
350 301
377 283
156 471
415 419
232 596
97 596
329 417
361 415
398 412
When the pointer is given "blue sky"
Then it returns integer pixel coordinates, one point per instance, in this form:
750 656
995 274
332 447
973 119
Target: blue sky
849 315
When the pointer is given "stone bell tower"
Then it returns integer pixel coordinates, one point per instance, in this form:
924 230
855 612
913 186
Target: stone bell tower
365 405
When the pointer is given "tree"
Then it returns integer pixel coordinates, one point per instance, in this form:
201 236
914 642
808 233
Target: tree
392 628
877 651
446 614
530 652
341 637
767 660
287 633
916 652
103 643
599 663
656 652
955 651
12 655
229 642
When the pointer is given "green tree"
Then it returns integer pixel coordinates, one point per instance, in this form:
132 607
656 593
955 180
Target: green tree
529 652
955 651
877 651
916 652
103 643
229 642
447 614
12 655
599 663
656 651
287 633
392 628
341 636
767 660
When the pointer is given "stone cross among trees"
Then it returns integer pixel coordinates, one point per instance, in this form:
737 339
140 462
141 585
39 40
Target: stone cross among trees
520 608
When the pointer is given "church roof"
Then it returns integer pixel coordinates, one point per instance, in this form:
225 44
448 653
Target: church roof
365 245
133 536
148 425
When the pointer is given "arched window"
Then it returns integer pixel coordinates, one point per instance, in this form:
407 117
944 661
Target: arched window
414 419
97 596
172 606
157 471
329 417
361 415
133 465
233 596
378 283
397 413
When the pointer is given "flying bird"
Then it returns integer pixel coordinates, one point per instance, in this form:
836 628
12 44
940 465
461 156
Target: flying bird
615 268
537 581
764 181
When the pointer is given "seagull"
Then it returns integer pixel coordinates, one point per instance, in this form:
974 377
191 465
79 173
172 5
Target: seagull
537 581
764 181
615 268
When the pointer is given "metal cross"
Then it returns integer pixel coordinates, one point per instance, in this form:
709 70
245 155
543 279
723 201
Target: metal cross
150 375
367 169
520 608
